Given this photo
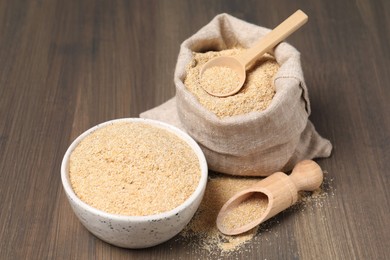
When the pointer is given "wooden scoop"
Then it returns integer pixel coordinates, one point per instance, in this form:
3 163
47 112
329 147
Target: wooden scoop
239 63
277 192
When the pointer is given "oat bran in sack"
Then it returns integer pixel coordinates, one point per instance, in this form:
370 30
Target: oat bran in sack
253 144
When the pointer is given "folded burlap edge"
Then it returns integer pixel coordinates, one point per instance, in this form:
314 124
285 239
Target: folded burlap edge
167 113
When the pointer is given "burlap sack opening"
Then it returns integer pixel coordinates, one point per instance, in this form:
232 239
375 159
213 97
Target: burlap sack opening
253 144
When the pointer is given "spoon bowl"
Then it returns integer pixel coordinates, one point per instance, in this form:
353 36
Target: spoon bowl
236 67
234 202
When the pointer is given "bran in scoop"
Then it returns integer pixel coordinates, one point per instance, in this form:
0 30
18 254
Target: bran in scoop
133 169
247 211
220 80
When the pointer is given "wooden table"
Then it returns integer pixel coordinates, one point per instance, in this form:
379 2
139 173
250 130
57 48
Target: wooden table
66 66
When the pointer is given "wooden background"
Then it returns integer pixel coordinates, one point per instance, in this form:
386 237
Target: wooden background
66 66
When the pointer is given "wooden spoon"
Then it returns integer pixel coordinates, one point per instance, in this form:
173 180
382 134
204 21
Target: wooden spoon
277 192
239 63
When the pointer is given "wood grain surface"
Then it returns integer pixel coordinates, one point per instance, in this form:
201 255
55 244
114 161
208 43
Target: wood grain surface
66 66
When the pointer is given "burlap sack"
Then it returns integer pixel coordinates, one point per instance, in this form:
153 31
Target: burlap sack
254 144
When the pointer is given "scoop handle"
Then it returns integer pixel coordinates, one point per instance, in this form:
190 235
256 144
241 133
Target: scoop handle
271 39
283 189
307 175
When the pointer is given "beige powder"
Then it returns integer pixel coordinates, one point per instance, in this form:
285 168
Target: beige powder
249 210
202 233
219 80
255 95
218 191
133 169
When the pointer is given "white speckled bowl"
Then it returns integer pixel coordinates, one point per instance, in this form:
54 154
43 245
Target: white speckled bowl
135 231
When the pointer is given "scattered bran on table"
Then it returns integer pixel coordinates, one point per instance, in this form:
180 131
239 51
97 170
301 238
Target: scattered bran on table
133 169
203 225
202 233
255 95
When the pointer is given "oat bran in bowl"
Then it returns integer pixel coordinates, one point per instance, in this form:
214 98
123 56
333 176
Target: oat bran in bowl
133 182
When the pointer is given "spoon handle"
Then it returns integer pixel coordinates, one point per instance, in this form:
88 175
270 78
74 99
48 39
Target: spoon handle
271 39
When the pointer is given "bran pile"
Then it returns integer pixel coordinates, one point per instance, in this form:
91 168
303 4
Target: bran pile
255 95
203 225
133 169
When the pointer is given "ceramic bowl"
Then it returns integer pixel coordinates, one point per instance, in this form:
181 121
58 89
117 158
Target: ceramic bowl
135 231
